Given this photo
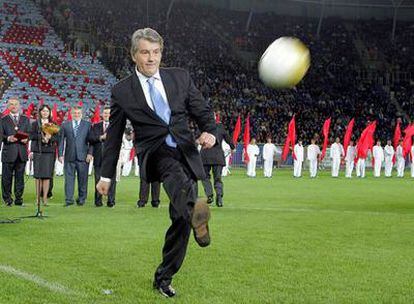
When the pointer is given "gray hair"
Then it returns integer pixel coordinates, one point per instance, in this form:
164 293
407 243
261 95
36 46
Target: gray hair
147 34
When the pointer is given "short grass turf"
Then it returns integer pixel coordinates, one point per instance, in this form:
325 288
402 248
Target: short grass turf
278 240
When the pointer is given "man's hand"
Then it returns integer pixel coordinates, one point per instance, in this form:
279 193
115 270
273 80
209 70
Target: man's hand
207 140
89 158
103 137
31 155
25 140
60 159
11 138
103 187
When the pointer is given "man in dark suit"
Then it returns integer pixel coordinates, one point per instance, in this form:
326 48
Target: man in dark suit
14 154
74 145
97 138
144 189
213 160
159 102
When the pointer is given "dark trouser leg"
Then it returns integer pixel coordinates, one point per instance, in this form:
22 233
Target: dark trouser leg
50 193
69 168
19 182
208 187
155 193
112 193
218 183
98 196
82 170
6 182
180 188
143 192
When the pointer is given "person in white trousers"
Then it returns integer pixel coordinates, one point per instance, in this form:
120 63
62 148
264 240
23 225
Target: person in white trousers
124 163
269 153
350 159
360 166
388 158
378 155
336 153
313 154
297 163
400 160
227 154
252 152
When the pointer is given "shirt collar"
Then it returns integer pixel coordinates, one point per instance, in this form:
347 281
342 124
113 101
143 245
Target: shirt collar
144 78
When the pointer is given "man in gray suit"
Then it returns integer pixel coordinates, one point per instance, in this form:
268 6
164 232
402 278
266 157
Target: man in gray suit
74 148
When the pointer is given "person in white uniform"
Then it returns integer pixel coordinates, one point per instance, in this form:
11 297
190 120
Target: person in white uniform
350 159
388 158
297 162
227 154
336 153
313 154
124 163
269 153
360 167
400 159
252 152
378 155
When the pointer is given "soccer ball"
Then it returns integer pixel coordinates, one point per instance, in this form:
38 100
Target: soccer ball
284 63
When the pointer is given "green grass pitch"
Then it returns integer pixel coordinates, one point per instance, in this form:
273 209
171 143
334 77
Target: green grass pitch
279 240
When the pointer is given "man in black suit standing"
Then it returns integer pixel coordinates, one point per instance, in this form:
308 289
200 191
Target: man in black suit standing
14 154
144 189
74 145
159 102
97 138
213 160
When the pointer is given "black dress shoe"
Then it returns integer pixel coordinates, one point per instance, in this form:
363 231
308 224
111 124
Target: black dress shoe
155 204
110 205
199 222
219 202
98 204
10 204
210 199
166 290
141 204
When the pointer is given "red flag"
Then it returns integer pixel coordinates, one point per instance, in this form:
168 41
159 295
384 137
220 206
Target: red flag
348 134
237 130
96 115
54 113
217 118
366 141
29 110
246 139
408 139
70 114
397 134
132 154
325 132
5 112
290 139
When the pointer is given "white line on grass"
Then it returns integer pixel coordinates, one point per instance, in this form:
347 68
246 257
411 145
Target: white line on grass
37 280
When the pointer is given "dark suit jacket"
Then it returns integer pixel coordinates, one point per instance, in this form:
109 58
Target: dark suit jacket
96 143
37 145
18 150
128 102
215 155
76 148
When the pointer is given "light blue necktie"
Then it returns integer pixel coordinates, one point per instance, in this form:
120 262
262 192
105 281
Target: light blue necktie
161 108
76 128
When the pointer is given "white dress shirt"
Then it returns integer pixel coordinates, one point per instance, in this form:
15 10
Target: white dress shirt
145 87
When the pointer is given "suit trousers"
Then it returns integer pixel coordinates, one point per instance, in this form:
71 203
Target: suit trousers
218 183
112 189
81 170
180 186
8 170
144 192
